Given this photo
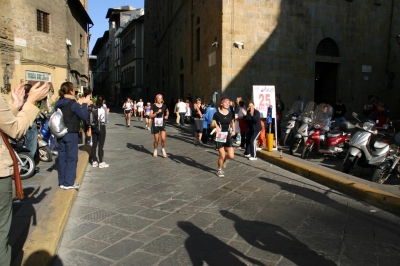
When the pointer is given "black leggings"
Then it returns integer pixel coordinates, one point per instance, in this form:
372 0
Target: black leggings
98 139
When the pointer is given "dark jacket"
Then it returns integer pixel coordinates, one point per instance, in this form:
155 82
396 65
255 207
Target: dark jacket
339 108
73 115
253 122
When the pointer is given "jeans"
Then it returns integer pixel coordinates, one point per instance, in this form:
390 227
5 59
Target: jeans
339 120
68 159
31 140
182 121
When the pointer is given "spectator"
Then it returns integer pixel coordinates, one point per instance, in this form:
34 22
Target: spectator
88 130
99 136
198 111
208 117
242 124
339 112
237 108
68 145
31 136
13 124
379 115
182 110
253 131
370 106
280 108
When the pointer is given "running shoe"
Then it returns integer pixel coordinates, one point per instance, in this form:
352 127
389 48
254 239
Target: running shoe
155 153
253 158
220 173
74 186
247 155
148 128
103 165
224 164
195 140
95 164
164 154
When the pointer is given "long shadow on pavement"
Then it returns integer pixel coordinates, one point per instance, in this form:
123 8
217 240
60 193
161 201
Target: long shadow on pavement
276 240
139 148
391 228
189 162
207 249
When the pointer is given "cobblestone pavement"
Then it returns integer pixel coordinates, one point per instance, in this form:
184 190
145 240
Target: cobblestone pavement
175 211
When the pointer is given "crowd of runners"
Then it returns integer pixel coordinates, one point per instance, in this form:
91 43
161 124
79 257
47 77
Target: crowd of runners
226 125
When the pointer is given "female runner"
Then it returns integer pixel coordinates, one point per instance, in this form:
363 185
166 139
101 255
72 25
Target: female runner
159 113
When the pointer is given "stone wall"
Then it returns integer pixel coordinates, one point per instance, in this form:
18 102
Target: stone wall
280 39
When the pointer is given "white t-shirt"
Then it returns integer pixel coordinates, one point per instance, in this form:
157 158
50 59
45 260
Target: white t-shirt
181 107
101 115
140 106
128 106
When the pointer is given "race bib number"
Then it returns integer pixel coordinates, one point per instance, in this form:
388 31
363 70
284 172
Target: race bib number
147 113
158 122
221 137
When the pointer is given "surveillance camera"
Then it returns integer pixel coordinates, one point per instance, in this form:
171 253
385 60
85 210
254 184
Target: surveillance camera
238 43
214 44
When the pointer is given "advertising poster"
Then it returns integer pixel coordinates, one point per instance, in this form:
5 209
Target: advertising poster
264 97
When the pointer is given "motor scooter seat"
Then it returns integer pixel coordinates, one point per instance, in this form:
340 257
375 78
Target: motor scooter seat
380 145
334 134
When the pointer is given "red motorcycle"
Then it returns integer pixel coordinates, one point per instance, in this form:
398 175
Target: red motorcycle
322 141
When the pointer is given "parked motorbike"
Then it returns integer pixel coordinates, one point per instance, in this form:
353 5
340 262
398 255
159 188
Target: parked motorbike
26 163
391 166
321 139
365 148
302 132
293 124
43 152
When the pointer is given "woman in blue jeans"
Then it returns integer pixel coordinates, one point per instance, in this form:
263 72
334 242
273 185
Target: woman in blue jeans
73 112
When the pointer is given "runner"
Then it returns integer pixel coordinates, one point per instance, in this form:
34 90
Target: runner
224 122
127 110
140 110
147 109
159 113
135 108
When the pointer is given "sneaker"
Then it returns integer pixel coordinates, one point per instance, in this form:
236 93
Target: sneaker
220 173
155 153
164 154
74 186
238 142
95 164
253 158
141 120
148 128
224 164
103 165
195 141
247 155
240 148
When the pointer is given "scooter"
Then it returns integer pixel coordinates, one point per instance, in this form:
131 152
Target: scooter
330 143
302 132
365 149
43 151
391 165
293 124
26 163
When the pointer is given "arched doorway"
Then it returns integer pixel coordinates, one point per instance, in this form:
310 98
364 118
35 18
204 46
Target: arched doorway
326 72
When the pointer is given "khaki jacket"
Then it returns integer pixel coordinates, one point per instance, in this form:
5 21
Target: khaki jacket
14 124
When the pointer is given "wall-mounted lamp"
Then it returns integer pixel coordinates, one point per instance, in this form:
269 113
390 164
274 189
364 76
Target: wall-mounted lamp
398 38
81 52
214 44
239 45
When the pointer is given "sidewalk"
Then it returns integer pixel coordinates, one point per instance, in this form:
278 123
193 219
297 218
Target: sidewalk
144 197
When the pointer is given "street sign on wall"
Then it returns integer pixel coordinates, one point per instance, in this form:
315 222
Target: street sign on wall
37 76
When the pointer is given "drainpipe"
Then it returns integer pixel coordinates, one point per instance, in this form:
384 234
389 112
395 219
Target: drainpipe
389 39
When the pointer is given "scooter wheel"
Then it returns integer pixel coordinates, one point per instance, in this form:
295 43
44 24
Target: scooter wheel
295 146
28 169
380 175
287 138
348 164
306 151
45 154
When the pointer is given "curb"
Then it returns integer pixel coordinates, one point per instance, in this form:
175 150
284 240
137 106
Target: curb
344 183
42 244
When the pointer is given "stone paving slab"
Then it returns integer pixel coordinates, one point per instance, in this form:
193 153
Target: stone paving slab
178 212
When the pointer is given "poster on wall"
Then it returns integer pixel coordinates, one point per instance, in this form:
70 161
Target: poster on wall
264 97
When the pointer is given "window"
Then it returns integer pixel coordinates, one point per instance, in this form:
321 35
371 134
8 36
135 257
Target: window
43 21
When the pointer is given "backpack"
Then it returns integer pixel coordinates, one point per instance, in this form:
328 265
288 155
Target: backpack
56 124
93 117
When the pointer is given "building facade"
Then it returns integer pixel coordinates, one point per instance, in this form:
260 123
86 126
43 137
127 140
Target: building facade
118 18
100 75
131 41
49 42
315 50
